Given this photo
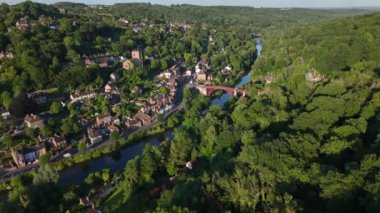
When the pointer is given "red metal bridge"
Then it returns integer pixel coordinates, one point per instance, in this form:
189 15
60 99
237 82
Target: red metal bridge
208 90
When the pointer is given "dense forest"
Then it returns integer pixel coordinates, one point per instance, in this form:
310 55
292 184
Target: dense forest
301 144
306 139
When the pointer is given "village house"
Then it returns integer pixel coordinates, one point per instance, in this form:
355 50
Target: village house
112 128
54 26
115 120
146 108
101 61
210 78
33 121
189 165
58 141
132 63
201 76
81 96
23 25
137 90
43 138
202 66
133 123
24 156
172 90
62 10
172 82
184 27
167 74
83 122
4 54
226 71
260 92
314 76
125 21
110 88
268 78
128 64
137 29
107 120
103 119
115 76
176 70
144 118
5 114
165 109
137 54
188 73
94 136
211 39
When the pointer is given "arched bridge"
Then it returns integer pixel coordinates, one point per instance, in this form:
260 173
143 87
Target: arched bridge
208 90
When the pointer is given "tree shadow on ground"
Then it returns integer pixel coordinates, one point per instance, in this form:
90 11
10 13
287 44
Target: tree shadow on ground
377 71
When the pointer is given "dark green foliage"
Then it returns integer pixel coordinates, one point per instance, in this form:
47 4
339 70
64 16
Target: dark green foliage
299 145
295 146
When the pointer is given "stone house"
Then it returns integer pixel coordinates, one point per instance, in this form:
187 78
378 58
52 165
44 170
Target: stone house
115 120
100 60
132 63
226 71
210 78
43 138
94 136
107 120
133 124
202 66
167 74
137 54
5 114
115 76
81 96
4 54
201 76
58 141
24 156
54 26
108 88
33 121
314 76
188 72
128 64
112 128
144 118
23 25
268 78
137 90
103 119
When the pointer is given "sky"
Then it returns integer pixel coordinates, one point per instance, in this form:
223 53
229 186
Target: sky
254 3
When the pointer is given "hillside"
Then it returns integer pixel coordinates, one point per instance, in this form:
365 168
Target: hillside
305 143
85 88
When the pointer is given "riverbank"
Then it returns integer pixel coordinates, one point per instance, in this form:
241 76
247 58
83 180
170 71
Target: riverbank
115 200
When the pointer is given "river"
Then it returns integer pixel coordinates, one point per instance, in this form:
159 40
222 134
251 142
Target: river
114 161
220 101
118 160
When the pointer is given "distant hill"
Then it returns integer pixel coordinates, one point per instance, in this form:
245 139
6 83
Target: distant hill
69 5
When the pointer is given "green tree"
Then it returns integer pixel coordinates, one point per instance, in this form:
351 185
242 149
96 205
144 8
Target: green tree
8 141
82 146
6 99
55 108
44 159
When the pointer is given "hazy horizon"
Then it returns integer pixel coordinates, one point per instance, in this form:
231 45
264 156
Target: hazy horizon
252 3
